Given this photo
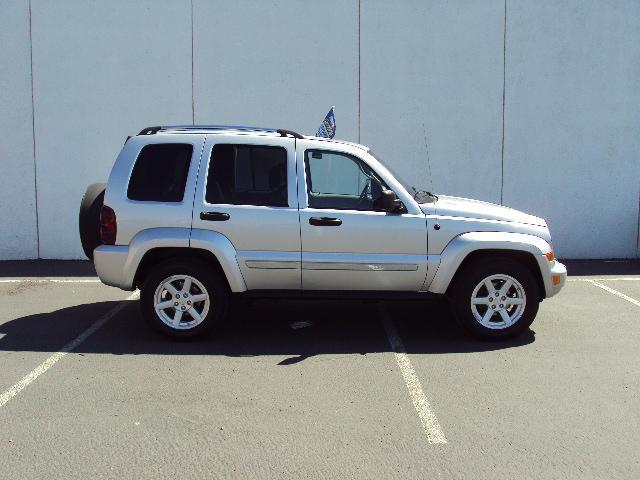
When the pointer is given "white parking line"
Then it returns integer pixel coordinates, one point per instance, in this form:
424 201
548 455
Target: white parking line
49 280
53 359
615 292
605 279
427 417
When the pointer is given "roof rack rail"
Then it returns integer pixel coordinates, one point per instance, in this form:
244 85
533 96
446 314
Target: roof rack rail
241 128
219 127
284 133
153 130
149 130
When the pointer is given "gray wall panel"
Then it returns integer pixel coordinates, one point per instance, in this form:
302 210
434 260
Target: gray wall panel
435 68
18 238
396 72
279 64
572 143
102 71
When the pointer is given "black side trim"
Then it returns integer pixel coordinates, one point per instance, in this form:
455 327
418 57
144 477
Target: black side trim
338 295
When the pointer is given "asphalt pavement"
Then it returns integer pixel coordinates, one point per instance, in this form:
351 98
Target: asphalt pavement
316 389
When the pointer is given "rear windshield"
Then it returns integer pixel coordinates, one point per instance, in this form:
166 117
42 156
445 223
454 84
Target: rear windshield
160 173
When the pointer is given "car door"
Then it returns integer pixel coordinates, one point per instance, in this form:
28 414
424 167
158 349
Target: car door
347 243
247 192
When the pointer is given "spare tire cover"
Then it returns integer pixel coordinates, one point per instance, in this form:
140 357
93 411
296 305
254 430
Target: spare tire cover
89 221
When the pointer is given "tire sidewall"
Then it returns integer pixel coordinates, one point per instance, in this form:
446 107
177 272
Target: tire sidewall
215 286
472 275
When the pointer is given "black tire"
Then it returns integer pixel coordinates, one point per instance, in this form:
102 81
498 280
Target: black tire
210 278
89 218
474 273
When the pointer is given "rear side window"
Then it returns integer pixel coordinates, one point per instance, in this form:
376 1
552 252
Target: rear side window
247 175
160 173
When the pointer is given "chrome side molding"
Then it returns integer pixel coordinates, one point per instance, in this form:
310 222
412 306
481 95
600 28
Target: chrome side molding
360 267
273 264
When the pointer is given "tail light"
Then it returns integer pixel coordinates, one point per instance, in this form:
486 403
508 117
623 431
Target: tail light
108 225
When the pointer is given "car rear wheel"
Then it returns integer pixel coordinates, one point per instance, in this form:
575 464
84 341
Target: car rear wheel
183 298
495 298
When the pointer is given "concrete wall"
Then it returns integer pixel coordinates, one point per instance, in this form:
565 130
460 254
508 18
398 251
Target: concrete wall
101 71
406 78
276 64
572 121
432 82
18 236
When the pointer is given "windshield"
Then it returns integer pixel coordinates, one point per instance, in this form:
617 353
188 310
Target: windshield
419 195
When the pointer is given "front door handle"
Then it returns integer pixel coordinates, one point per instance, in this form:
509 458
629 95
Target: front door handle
214 216
325 221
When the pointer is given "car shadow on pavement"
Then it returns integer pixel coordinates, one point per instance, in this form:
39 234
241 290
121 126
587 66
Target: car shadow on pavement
46 268
602 267
295 329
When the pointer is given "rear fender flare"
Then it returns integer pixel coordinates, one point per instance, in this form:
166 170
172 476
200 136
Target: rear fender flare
149 239
214 242
224 251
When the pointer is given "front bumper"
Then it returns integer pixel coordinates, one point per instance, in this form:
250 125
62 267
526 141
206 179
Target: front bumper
554 275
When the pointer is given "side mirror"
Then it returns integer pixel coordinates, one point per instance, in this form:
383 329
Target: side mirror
389 202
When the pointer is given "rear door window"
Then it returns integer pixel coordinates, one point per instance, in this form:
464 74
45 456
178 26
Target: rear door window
247 175
160 173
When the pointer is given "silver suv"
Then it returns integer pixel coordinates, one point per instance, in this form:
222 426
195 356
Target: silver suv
194 214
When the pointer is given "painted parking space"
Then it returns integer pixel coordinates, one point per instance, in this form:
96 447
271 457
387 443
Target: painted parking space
298 389
561 399
39 316
264 397
629 287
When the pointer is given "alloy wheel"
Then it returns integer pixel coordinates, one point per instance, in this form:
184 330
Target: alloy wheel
181 302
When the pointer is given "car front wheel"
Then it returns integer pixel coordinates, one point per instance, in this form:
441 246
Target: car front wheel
495 298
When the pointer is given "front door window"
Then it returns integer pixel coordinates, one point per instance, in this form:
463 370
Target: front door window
340 181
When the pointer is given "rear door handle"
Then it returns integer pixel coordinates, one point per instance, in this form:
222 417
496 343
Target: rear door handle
214 216
325 221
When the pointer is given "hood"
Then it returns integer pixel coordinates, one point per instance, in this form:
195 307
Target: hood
466 207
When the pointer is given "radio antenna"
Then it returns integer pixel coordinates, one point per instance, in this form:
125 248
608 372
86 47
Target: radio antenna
426 147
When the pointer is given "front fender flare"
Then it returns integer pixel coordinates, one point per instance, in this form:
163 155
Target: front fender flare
461 246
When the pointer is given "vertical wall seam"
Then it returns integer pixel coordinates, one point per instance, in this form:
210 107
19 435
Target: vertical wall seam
504 82
359 101
193 103
33 136
638 232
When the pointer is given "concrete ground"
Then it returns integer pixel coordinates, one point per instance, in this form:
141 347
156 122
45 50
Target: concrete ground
316 390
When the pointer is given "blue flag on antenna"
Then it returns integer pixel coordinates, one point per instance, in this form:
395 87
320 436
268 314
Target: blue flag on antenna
328 127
